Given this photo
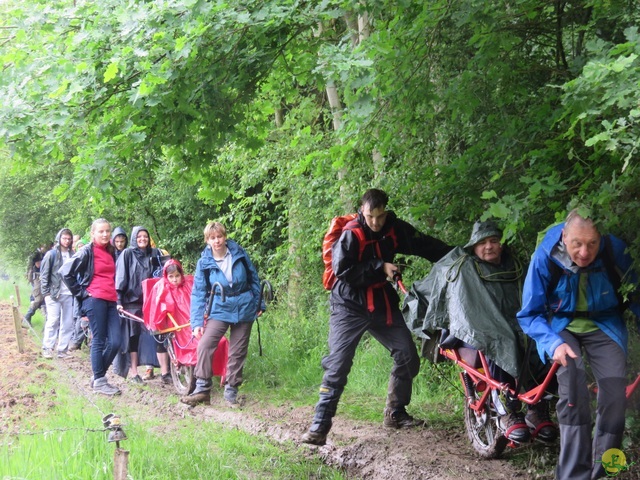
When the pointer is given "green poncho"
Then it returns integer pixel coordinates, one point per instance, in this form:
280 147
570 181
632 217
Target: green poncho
477 301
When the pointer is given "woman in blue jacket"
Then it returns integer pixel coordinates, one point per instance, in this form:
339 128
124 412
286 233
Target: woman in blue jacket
225 262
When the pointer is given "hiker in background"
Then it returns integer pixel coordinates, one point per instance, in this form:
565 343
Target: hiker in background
59 325
225 262
362 300
135 264
119 240
90 276
474 292
33 277
79 336
586 314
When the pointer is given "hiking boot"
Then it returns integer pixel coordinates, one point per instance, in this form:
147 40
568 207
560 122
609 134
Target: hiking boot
231 395
400 419
149 375
47 353
75 346
316 435
166 379
26 323
100 385
137 380
539 422
197 398
515 428
64 355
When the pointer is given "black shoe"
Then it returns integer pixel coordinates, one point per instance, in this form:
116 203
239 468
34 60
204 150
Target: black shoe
539 422
166 379
400 419
515 427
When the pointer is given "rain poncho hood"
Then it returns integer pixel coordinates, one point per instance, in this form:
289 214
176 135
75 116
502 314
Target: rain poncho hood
476 300
119 231
482 230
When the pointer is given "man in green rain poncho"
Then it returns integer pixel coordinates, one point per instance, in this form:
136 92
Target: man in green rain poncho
473 294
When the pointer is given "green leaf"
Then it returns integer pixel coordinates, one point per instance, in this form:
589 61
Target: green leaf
111 72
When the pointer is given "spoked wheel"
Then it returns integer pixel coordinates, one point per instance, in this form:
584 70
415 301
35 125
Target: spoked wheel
482 427
182 375
183 378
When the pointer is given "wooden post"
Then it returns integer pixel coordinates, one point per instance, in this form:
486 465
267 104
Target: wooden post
120 464
15 286
17 322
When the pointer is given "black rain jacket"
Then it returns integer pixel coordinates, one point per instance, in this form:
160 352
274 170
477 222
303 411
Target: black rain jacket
354 277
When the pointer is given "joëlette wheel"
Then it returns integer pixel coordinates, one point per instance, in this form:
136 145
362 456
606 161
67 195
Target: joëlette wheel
486 437
183 378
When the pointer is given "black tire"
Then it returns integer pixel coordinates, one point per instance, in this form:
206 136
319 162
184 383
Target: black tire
183 378
182 375
487 438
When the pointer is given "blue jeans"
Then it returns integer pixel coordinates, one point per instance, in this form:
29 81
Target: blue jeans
104 322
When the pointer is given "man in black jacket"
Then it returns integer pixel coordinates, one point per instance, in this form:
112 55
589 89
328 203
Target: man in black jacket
363 300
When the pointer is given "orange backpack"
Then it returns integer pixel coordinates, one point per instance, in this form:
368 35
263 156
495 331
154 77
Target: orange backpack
333 234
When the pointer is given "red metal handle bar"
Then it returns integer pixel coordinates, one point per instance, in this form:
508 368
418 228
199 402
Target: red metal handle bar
531 397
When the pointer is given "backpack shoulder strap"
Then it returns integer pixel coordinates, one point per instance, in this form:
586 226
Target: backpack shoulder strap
613 272
556 272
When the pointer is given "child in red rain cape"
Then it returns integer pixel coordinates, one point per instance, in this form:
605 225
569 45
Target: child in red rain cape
171 295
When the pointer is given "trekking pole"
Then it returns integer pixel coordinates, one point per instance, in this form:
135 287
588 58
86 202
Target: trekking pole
397 279
207 310
267 298
131 316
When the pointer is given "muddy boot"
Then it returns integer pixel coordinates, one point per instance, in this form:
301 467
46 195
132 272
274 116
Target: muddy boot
325 411
539 422
513 423
515 428
316 435
400 419
201 394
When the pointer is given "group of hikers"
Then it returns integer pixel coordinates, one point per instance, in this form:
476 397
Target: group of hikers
478 295
103 281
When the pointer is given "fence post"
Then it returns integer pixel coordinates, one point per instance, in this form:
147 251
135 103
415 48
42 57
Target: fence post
17 289
120 464
17 323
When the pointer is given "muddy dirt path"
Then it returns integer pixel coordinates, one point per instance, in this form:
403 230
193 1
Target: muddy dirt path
363 450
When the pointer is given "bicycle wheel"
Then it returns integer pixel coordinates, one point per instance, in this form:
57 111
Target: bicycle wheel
182 375
487 438
183 378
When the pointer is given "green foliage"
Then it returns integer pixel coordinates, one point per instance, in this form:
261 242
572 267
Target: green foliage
172 114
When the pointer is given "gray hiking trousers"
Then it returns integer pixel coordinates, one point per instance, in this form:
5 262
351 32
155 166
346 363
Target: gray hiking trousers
580 457
345 332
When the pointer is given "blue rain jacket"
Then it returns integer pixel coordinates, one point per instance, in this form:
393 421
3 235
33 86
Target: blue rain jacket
241 302
543 318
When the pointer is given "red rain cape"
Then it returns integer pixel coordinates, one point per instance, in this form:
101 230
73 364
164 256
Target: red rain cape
160 299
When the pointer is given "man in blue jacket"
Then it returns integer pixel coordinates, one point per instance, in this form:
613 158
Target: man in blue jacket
570 304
